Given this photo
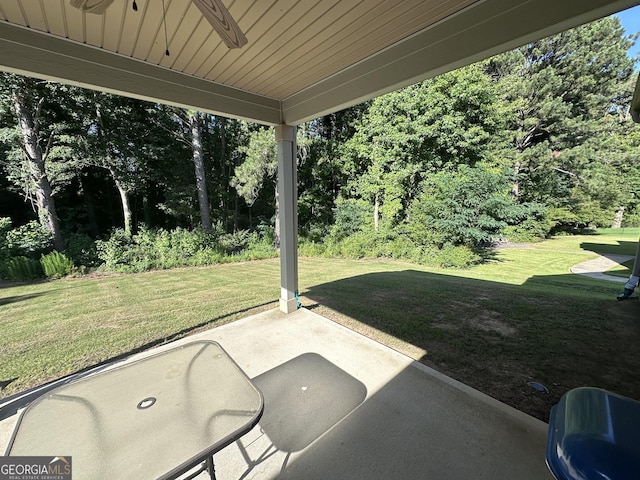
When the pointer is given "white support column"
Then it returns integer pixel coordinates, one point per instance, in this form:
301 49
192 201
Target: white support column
288 194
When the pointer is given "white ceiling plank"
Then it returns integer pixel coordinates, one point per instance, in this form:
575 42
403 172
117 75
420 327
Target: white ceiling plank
304 58
95 29
13 11
232 58
74 23
330 41
370 41
150 35
179 33
39 55
33 14
445 47
315 19
282 31
132 22
113 25
56 22
213 48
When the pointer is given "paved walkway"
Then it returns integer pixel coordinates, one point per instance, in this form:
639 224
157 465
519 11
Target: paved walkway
595 268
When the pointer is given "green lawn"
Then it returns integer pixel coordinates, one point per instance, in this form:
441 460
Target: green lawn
521 316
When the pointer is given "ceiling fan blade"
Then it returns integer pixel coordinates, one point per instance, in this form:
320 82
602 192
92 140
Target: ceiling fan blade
222 21
92 6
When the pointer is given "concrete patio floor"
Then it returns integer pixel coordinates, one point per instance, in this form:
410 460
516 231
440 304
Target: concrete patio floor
340 405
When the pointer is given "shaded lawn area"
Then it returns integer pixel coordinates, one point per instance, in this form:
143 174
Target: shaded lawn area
561 331
518 318
622 270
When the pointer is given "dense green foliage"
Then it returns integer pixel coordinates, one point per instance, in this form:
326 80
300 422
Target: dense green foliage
524 144
56 265
162 249
21 268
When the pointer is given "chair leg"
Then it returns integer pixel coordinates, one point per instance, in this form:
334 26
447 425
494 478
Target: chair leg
210 468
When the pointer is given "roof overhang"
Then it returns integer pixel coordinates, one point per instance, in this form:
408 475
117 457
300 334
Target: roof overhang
476 32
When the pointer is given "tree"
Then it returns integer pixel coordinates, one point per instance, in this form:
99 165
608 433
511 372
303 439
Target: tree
195 124
260 164
608 188
407 135
561 91
321 168
222 140
35 142
116 140
465 206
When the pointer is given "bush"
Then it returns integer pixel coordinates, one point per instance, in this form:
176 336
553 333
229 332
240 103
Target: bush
467 207
308 248
5 226
260 246
81 248
30 240
117 251
351 216
236 241
56 265
398 245
451 256
21 269
162 249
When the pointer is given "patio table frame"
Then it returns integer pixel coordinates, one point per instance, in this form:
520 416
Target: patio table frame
240 414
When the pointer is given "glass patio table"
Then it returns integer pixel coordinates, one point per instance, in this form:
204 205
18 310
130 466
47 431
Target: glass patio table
157 417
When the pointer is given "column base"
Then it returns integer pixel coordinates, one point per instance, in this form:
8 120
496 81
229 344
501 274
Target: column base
288 306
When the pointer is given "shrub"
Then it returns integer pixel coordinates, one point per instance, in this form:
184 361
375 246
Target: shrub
236 241
466 207
351 217
56 265
308 248
398 245
30 240
20 269
266 232
5 226
158 249
81 248
117 251
631 220
451 256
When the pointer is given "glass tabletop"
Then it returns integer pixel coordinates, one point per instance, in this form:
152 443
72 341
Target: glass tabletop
153 418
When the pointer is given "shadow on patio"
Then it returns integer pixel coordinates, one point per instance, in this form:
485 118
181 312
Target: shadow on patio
340 405
564 331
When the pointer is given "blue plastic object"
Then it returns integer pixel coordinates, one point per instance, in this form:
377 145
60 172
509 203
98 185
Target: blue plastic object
594 435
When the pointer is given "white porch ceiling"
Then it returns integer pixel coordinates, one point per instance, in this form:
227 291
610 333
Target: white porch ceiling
304 58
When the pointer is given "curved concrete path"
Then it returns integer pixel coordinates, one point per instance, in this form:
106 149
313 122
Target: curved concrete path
595 268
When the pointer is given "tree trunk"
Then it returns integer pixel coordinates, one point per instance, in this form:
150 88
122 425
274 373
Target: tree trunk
124 199
91 211
235 212
224 201
376 212
195 123
617 219
146 209
277 226
515 188
28 123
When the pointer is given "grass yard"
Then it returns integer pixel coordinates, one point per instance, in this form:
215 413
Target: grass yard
520 317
